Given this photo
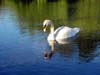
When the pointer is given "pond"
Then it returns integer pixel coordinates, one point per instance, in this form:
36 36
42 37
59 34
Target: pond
23 42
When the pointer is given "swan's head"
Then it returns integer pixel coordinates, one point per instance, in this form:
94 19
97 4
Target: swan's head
47 23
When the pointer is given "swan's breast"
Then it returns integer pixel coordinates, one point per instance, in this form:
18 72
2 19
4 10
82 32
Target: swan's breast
51 37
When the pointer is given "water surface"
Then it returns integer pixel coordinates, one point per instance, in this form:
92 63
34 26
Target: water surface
23 43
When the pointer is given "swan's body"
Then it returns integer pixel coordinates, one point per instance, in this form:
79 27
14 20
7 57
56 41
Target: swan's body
61 33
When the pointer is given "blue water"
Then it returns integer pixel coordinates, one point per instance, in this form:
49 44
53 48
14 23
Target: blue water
21 53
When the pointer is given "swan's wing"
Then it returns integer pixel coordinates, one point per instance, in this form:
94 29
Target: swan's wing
58 30
73 31
64 32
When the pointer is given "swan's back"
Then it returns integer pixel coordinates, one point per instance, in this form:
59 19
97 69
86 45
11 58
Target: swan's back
64 32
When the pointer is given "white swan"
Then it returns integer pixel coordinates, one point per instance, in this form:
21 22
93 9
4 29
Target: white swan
61 33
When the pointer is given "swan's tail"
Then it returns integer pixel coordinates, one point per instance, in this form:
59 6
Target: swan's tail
76 30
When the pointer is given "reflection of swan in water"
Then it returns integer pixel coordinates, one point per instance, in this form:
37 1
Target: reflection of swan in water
61 33
68 49
64 46
49 55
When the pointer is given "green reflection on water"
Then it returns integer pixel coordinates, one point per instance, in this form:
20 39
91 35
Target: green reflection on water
84 14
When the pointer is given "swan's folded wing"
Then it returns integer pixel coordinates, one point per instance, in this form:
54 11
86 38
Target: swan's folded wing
62 32
65 32
72 32
58 30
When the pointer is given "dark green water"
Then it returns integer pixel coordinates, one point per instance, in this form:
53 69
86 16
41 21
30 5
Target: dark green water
23 43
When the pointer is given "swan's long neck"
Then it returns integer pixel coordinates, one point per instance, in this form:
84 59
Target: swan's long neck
52 29
51 35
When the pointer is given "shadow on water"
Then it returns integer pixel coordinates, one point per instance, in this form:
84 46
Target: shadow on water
72 1
52 0
1 2
87 49
68 50
72 8
24 2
